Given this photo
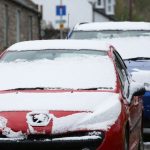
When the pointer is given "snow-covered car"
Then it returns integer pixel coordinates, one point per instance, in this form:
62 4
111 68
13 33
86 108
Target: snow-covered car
124 35
109 30
68 94
136 53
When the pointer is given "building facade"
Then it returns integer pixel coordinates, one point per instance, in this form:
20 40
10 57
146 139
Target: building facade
77 11
19 21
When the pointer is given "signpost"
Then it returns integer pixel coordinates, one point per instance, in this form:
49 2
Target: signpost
61 11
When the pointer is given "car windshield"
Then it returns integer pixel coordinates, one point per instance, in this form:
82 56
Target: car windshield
32 55
107 34
62 69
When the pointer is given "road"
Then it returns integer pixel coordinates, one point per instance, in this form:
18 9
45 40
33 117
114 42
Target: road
147 146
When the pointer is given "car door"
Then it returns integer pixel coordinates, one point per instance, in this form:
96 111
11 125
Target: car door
134 103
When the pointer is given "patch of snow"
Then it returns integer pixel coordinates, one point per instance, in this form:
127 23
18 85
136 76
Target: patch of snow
7 131
67 101
3 122
132 47
103 117
59 44
86 72
98 26
97 110
11 134
76 138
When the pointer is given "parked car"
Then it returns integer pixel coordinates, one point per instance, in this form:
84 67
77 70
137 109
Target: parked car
68 94
136 54
109 30
132 41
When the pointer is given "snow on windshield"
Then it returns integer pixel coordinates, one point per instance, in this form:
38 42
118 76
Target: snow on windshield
84 71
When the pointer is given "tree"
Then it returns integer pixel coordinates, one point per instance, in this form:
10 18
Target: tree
140 10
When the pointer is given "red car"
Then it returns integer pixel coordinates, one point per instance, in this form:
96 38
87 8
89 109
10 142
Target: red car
68 94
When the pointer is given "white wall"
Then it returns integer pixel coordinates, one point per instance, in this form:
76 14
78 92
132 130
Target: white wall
100 18
78 10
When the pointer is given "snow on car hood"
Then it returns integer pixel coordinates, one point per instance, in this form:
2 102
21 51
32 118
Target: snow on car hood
96 110
140 70
141 76
84 72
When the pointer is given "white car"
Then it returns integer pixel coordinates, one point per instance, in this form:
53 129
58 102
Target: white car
103 30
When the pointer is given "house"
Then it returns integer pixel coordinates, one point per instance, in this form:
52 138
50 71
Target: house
19 21
104 10
77 11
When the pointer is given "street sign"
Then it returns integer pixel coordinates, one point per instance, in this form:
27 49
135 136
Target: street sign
60 21
60 10
61 26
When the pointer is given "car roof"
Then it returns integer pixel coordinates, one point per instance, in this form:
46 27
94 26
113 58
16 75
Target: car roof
131 47
60 44
125 25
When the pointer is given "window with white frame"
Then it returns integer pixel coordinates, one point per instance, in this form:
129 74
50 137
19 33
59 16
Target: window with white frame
100 4
110 7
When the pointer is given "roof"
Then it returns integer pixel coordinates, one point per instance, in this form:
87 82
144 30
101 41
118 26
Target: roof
27 4
132 47
109 17
113 26
59 44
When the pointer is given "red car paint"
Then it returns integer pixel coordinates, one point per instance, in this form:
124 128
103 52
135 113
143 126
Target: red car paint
130 118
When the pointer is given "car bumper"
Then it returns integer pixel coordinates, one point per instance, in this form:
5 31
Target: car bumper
68 143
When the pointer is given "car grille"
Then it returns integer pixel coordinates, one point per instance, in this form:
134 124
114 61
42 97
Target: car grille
72 141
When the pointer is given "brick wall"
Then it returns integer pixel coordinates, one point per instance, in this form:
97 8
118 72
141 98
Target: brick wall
25 25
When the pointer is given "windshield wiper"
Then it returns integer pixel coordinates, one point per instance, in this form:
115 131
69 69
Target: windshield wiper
97 88
138 58
39 88
59 88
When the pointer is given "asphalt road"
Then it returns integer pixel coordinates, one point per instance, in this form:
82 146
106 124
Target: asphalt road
147 146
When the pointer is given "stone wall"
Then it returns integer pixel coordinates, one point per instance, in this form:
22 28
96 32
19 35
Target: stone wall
8 11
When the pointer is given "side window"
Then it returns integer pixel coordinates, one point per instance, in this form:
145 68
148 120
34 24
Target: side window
123 75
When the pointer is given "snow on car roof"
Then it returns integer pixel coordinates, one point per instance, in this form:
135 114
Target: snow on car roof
59 44
132 47
113 26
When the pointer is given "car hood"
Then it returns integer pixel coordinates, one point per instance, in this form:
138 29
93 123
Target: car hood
66 111
141 76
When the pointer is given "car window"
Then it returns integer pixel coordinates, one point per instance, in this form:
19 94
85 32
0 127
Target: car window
107 34
32 55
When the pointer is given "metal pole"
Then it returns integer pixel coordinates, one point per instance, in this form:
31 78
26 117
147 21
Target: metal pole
92 12
68 20
61 30
93 7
